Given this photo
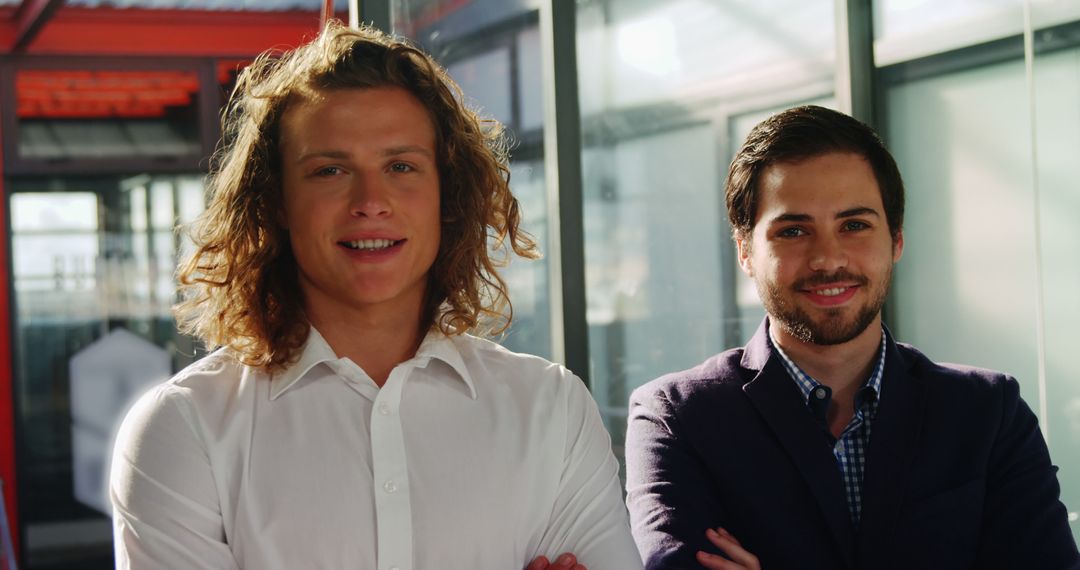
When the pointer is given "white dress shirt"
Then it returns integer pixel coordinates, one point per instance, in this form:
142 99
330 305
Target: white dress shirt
470 456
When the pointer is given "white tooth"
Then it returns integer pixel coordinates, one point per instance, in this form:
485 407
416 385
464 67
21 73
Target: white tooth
371 243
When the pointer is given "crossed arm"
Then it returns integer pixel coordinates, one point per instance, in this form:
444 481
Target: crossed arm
740 558
675 519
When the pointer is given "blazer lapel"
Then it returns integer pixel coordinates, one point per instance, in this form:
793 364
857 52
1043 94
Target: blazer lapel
779 402
894 437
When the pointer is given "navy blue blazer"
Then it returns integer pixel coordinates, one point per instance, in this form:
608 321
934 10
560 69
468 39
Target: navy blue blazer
957 472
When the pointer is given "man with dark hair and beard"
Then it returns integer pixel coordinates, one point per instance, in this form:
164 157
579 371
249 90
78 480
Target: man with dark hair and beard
824 443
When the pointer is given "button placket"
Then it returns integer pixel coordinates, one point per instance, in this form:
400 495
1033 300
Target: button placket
393 509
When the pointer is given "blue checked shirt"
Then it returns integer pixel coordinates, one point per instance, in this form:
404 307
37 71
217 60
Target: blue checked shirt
850 447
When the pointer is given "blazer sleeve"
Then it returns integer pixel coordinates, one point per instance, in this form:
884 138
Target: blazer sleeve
670 496
1025 523
165 505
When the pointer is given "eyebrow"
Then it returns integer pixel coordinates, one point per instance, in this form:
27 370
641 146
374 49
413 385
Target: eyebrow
860 211
323 154
405 149
849 213
392 151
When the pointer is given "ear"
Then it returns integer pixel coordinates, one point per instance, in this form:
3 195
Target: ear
898 246
742 247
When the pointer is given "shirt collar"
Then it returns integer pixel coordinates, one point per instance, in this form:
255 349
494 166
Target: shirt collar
441 347
435 345
807 383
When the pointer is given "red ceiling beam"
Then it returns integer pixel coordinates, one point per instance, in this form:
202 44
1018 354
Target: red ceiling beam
30 18
102 94
74 30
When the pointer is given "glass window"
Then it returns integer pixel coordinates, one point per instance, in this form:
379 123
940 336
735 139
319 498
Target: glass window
910 29
1057 141
988 155
633 52
485 79
668 92
662 87
491 48
93 264
529 82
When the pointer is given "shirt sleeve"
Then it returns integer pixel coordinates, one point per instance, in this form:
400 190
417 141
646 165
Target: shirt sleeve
1025 523
589 518
166 512
668 519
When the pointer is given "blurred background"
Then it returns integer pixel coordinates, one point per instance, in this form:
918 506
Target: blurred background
624 115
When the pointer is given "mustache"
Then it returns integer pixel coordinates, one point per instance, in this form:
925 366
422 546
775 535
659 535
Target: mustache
826 278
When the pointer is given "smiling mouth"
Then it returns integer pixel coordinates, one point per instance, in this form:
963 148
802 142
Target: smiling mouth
371 244
831 292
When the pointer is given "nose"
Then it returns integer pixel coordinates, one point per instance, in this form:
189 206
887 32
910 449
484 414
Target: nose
827 254
369 197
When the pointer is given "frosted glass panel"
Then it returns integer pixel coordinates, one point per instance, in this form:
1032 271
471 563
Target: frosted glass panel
498 69
909 29
485 79
1057 85
668 91
653 249
632 52
966 290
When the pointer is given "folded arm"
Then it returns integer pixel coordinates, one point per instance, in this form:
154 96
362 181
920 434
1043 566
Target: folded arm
670 496
165 505
588 517
1025 525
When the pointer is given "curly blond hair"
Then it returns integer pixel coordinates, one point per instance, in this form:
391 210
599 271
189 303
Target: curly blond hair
240 287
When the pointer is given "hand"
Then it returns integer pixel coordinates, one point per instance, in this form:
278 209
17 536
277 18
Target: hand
740 557
565 562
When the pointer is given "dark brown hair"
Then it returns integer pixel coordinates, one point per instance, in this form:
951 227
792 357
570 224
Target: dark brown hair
805 132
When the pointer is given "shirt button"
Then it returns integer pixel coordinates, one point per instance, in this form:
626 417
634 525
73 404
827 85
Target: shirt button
384 409
389 486
819 393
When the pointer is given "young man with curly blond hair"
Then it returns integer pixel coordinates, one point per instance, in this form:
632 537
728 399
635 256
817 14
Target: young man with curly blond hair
347 419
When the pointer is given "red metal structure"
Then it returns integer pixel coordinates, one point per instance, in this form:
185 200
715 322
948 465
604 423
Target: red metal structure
38 29
7 415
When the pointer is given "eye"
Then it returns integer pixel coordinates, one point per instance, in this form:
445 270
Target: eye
328 171
401 167
791 232
855 225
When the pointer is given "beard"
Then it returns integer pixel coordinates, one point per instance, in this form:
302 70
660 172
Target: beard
832 327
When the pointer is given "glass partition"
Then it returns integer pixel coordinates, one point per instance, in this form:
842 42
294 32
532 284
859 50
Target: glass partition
987 145
93 264
492 50
668 92
1056 141
662 89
